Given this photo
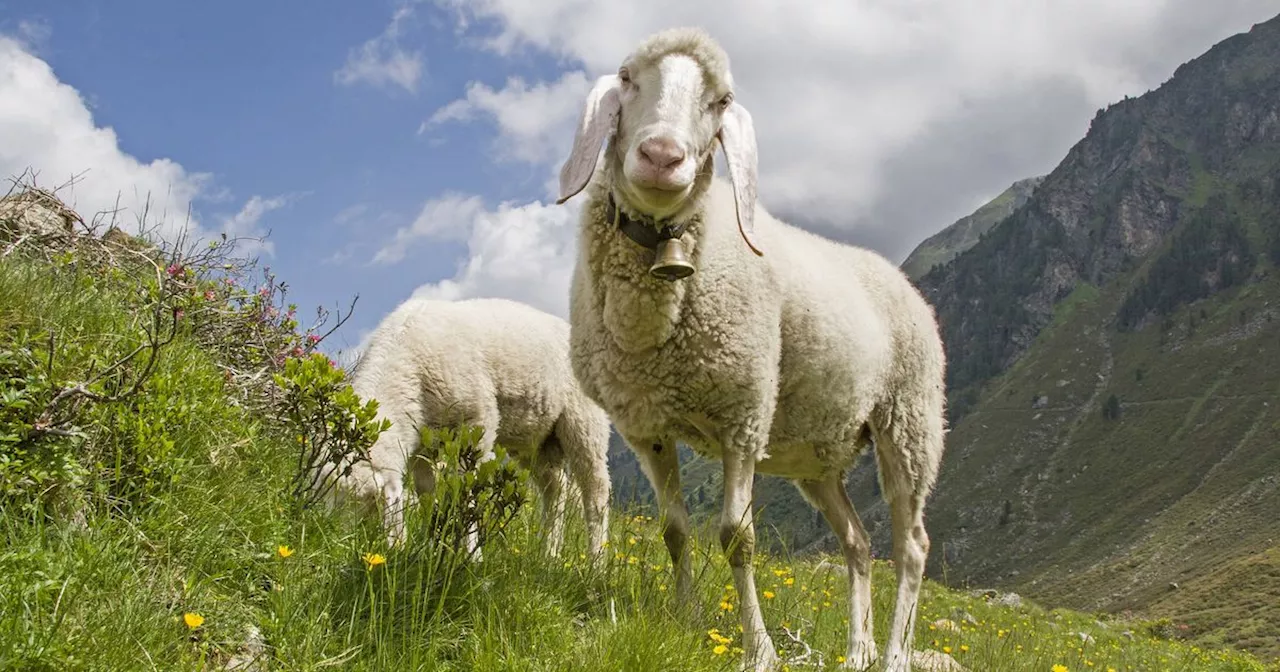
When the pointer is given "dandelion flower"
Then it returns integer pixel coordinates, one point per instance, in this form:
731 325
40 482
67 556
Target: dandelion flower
768 594
720 649
1060 668
372 560
284 551
192 619
790 581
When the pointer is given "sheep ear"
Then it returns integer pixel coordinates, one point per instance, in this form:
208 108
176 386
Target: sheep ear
738 140
599 120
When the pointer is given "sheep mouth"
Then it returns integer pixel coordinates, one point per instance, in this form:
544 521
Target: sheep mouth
658 199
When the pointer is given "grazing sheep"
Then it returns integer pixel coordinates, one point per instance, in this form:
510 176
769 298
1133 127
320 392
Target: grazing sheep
495 364
788 355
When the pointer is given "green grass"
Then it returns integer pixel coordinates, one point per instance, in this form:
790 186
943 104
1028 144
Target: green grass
206 540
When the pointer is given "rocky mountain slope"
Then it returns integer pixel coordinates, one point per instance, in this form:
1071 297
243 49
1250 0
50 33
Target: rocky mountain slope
1115 365
1114 370
944 245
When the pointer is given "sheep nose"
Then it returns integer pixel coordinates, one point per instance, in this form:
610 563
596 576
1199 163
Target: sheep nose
661 152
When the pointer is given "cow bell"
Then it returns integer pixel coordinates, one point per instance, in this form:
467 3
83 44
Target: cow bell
670 262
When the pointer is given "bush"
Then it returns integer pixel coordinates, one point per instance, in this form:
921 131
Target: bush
468 494
333 429
36 456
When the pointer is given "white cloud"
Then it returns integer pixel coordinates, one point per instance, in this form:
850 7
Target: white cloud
382 61
444 218
878 121
34 32
45 126
521 252
533 121
244 224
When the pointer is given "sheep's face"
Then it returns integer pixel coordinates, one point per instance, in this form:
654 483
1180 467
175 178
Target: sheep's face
666 130
664 110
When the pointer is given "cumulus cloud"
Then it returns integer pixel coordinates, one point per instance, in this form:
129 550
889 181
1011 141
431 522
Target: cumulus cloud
533 120
382 61
521 252
879 122
445 218
244 224
46 127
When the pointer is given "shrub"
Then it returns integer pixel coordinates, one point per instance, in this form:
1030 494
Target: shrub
333 429
37 456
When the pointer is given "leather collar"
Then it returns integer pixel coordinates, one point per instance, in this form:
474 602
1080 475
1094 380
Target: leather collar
644 231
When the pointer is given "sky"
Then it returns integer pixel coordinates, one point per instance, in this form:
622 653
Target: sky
392 148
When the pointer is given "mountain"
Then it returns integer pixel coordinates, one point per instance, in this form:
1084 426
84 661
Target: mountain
944 245
1114 366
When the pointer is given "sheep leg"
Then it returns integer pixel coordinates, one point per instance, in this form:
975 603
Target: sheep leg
388 461
829 497
590 469
660 463
905 495
738 539
549 475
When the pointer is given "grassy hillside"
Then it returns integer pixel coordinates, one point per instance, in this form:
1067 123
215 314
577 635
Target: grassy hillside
1048 493
1113 366
156 529
944 245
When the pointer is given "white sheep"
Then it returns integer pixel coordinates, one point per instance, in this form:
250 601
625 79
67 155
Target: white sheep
495 364
786 356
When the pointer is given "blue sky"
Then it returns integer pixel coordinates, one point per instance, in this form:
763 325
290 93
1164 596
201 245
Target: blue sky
394 147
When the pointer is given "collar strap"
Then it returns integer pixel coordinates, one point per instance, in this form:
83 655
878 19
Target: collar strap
643 230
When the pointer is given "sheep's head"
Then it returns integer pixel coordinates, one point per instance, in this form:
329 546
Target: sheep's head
664 110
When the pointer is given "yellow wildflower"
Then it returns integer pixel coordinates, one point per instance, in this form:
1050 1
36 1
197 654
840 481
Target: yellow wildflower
720 649
284 551
790 581
1060 668
372 560
192 619
768 594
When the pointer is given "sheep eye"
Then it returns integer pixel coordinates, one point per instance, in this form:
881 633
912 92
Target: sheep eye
624 76
724 102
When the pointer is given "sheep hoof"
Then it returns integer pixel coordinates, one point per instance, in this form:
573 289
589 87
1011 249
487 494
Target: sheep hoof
861 657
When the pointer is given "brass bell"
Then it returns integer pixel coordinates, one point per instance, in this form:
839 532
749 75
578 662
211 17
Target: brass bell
670 263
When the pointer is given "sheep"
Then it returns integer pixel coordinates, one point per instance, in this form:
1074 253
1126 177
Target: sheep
787 356
495 364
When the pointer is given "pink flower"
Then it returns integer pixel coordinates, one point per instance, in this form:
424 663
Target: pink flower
209 295
313 338
174 269
297 351
178 315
